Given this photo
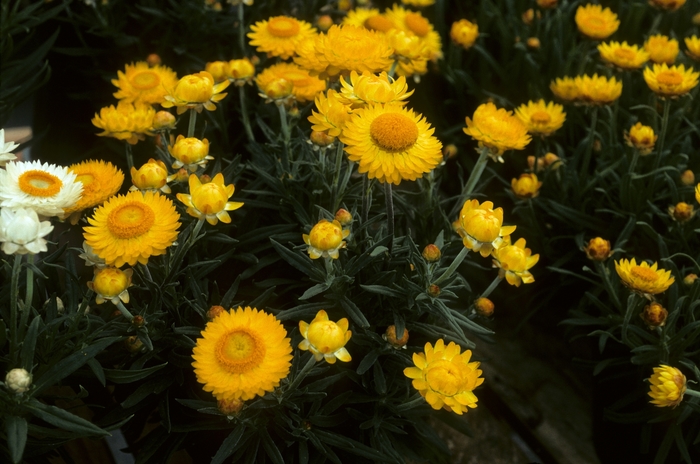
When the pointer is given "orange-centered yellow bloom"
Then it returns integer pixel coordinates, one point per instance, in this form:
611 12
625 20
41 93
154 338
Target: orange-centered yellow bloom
190 152
526 186
595 22
693 45
326 339
514 262
643 279
280 35
196 91
670 81
150 176
445 377
210 201
100 181
464 33
111 284
332 114
481 227
642 138
598 90
661 49
668 385
541 118
325 239
497 129
622 55
143 83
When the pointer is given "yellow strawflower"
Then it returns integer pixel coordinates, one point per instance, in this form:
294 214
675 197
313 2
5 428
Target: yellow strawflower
595 22
325 239
111 284
143 83
681 212
359 91
670 81
445 377
100 181
661 49
654 315
464 33
126 121
497 129
190 152
326 339
526 186
514 262
693 45
304 86
565 89
240 72
415 24
697 193
598 249
643 279
669 5
667 386
369 18
598 90
217 69
642 138
280 35
332 114
541 118
622 55
152 175
210 200
481 226
196 91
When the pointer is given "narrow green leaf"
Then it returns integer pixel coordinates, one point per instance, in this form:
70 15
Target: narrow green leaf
367 361
354 312
315 290
228 447
298 261
96 368
128 376
270 448
29 344
16 429
63 419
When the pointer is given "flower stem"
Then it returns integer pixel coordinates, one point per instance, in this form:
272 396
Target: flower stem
302 373
602 272
453 267
392 70
14 296
241 29
29 296
583 172
492 287
129 155
244 114
692 393
633 164
335 203
125 312
389 201
366 198
662 139
193 122
285 135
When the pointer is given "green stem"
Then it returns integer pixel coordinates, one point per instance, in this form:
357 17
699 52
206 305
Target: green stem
28 298
389 200
416 400
335 203
366 198
492 287
603 273
662 139
241 29
633 164
129 155
302 373
473 177
392 70
125 312
692 393
583 172
14 306
244 114
285 135
193 122
453 267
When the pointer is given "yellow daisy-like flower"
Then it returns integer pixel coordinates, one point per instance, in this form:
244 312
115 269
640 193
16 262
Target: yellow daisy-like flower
670 81
130 228
126 121
190 152
326 339
643 279
410 53
445 377
369 18
280 35
111 284
668 385
153 175
240 72
100 181
642 138
343 49
661 49
526 186
697 193
598 90
217 69
414 23
481 227
196 91
242 354
565 89
45 188
622 55
541 118
360 91
209 201
332 114
326 239
497 129
305 87
391 143
514 262
418 3
464 33
693 45
143 83
670 5
595 22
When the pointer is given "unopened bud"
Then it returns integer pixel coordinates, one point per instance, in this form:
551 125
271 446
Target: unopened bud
450 151
682 212
205 178
18 380
597 145
322 139
163 120
533 43
324 22
153 59
133 344
598 249
182 175
230 407
433 290
278 89
654 315
687 177
431 253
215 311
138 321
343 216
690 279
393 340
484 307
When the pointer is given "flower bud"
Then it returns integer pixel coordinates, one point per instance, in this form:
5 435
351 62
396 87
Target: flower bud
533 43
682 212
324 22
321 139
642 138
278 89
163 120
547 4
431 253
344 217
218 70
230 407
696 19
138 321
690 279
153 59
18 380
687 177
205 178
654 315
597 145
529 15
214 312
151 176
182 175
598 249
552 161
526 186
450 151
133 344
111 284
241 71
484 307
190 152
390 336
434 290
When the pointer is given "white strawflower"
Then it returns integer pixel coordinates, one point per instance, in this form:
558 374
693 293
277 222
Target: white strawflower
46 188
91 259
21 231
18 380
6 148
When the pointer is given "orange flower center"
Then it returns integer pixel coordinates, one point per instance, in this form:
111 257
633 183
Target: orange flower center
240 351
39 183
393 131
540 117
283 27
417 24
644 273
130 220
378 23
669 78
145 80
